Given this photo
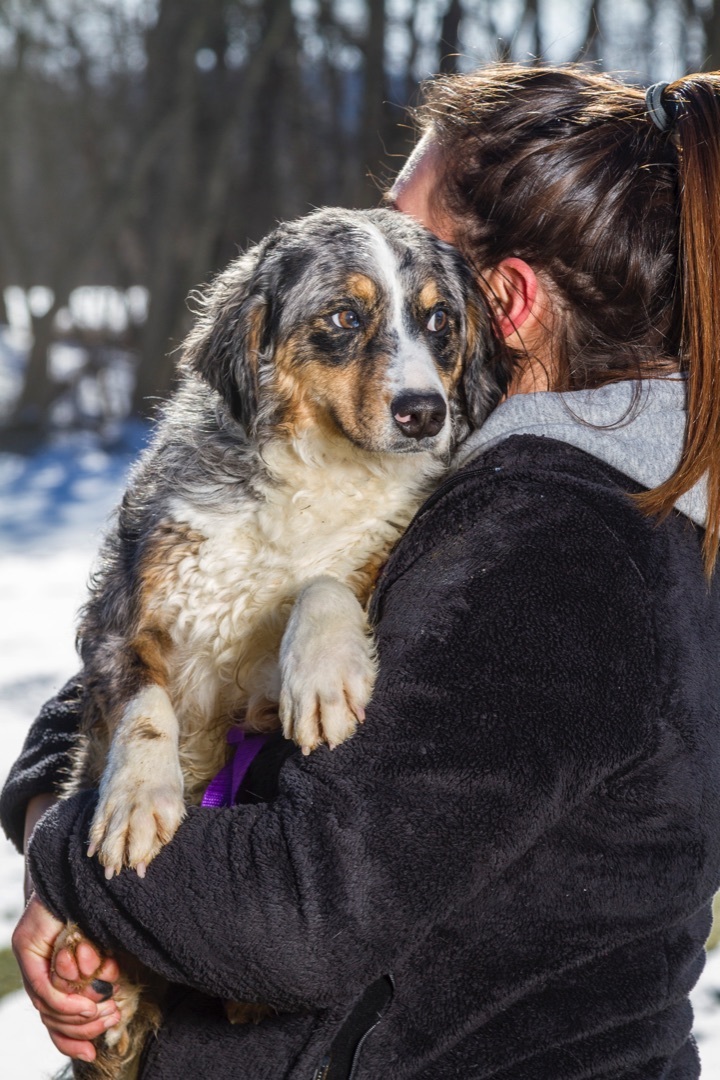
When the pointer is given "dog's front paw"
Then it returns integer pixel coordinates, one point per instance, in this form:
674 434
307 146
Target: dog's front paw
141 791
327 666
136 816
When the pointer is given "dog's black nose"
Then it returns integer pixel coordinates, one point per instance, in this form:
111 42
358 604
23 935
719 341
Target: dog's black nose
419 415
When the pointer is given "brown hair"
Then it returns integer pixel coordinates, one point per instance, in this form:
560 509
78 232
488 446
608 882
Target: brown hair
563 168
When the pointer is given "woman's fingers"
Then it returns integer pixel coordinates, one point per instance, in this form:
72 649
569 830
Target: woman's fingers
73 1040
73 1048
46 998
72 1020
79 1032
32 944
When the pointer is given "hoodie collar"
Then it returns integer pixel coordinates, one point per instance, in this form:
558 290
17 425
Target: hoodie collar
638 427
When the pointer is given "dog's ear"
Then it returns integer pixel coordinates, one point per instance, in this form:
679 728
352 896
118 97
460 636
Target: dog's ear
226 344
484 378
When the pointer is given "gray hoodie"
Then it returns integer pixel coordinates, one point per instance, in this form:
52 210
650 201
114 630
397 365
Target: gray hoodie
637 427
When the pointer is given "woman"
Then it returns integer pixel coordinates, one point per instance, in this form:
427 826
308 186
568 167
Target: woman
509 871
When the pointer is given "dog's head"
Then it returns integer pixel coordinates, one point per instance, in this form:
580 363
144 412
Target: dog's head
358 322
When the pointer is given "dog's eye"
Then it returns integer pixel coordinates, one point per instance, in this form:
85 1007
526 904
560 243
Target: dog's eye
347 319
438 321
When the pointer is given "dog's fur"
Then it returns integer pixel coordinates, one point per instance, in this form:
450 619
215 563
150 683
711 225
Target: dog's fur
330 373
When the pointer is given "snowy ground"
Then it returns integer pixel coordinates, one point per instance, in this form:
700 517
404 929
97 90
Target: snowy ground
52 508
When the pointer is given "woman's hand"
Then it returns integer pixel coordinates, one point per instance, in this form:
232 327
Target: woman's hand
72 1019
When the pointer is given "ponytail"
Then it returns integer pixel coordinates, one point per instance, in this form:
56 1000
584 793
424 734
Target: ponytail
614 197
695 103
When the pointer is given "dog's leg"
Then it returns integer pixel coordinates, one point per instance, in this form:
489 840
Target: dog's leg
141 791
327 665
119 1049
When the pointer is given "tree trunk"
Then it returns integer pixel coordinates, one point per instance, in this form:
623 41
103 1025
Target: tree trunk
531 19
711 20
373 113
450 38
30 413
589 50
200 172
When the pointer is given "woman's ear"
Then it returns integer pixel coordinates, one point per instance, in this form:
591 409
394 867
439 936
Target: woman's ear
511 288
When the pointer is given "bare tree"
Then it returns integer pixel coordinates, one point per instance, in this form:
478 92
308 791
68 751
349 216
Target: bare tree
63 176
710 16
531 23
450 37
589 50
150 156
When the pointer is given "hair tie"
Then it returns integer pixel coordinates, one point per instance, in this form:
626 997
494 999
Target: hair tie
661 115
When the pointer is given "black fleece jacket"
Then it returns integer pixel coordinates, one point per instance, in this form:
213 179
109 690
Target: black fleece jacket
523 838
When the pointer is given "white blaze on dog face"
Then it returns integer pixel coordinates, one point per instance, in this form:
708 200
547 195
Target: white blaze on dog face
369 333
413 369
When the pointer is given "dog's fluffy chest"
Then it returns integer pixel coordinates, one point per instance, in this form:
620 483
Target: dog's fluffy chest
229 594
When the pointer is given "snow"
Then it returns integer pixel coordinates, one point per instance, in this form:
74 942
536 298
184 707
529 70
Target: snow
28 1053
53 506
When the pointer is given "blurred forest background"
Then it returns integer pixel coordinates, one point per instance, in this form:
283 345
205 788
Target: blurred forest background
145 141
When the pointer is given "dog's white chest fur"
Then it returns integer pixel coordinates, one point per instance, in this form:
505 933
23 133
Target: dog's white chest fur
228 600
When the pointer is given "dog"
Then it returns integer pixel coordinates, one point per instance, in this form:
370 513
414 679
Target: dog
330 373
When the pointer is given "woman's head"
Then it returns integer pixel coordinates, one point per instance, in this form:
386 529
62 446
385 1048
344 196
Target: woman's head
563 169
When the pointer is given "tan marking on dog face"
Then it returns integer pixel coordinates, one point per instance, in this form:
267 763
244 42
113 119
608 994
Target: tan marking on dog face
352 398
450 377
429 296
344 392
364 288
429 299
343 378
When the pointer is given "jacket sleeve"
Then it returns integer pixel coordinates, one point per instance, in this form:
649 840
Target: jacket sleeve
44 760
515 676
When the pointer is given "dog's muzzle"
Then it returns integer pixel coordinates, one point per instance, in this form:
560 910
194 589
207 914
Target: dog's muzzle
419 415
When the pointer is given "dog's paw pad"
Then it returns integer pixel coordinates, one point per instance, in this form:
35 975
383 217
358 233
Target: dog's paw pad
64 963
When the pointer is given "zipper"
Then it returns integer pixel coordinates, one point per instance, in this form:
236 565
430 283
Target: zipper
380 1015
358 1048
340 1062
322 1070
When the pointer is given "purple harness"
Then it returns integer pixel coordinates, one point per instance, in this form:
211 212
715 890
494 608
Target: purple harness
223 788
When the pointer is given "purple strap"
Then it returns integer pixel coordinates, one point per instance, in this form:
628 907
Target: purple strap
223 788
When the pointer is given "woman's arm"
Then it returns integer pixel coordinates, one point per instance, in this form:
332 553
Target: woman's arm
492 717
73 1020
44 761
